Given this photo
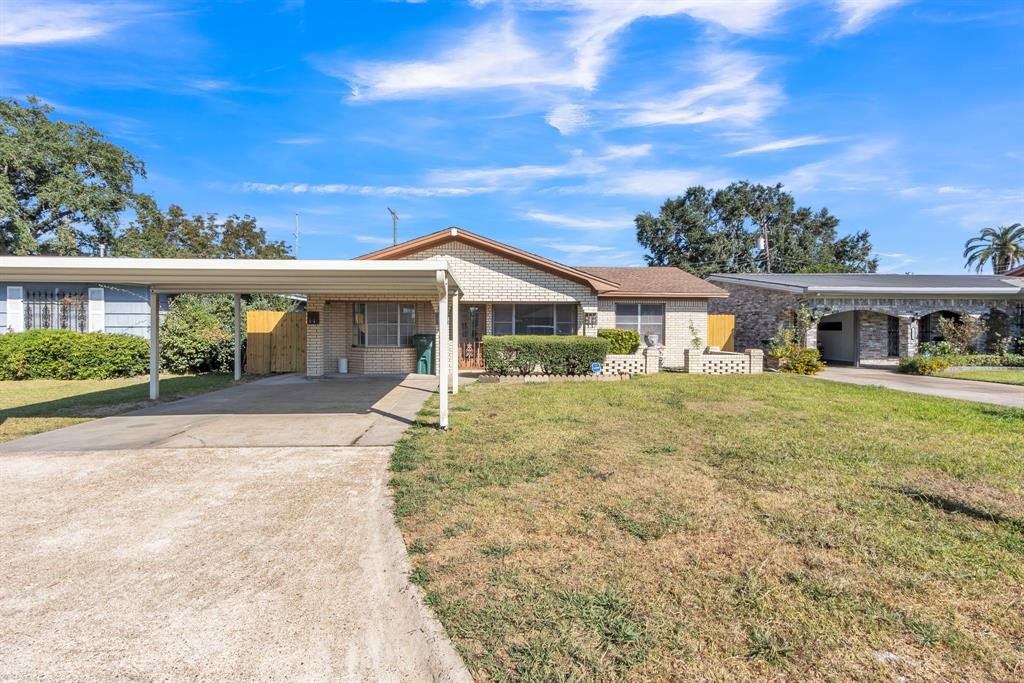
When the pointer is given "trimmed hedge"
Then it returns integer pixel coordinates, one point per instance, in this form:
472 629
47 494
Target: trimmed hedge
1010 360
923 365
523 354
622 342
63 354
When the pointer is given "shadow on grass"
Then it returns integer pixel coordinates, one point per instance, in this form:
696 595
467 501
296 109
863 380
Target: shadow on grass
960 507
116 399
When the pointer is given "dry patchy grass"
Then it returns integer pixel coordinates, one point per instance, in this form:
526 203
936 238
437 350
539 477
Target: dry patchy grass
41 405
718 528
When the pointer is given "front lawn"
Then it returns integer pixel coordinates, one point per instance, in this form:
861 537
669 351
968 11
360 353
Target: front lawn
40 405
999 376
681 527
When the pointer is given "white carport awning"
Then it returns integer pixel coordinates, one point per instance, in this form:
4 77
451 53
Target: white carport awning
404 278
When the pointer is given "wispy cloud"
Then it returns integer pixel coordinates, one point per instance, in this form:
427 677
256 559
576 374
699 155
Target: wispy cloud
857 14
862 166
373 190
372 239
893 262
626 151
496 55
508 177
652 182
567 118
580 222
300 141
732 92
976 208
786 143
39 23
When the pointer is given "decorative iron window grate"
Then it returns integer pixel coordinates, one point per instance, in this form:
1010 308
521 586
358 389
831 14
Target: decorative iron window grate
57 310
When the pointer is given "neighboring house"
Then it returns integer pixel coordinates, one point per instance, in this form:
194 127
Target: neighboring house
505 291
81 307
865 317
1015 272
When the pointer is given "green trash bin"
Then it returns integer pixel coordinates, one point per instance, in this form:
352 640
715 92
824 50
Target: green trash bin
424 353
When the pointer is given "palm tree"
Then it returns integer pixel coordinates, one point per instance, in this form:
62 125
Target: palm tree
1003 246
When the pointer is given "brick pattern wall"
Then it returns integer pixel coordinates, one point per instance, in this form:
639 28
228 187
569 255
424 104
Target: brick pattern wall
874 336
332 338
624 365
488 277
680 314
757 311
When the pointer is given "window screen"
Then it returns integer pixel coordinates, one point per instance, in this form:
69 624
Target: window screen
383 323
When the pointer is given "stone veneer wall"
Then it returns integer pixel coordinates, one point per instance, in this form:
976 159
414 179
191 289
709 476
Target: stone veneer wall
680 314
873 341
758 312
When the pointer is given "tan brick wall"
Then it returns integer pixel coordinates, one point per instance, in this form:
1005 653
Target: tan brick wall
332 338
487 277
679 315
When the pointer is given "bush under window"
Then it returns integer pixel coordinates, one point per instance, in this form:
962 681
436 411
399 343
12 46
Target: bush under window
63 354
526 354
620 341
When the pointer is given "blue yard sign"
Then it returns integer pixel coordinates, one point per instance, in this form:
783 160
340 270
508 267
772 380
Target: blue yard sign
595 368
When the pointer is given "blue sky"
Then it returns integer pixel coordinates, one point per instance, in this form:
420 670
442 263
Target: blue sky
547 124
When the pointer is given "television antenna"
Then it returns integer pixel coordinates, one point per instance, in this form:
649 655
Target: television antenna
394 225
296 234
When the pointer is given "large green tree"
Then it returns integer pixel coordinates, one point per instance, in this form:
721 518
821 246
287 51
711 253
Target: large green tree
63 186
1003 247
177 235
746 228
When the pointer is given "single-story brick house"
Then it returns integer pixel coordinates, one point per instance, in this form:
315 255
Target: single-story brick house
505 290
865 317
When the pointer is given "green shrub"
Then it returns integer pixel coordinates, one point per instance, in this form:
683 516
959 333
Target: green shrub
196 337
63 354
523 354
937 348
1010 360
802 362
923 365
624 342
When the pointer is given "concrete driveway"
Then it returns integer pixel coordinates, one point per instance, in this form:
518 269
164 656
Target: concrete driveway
963 389
243 534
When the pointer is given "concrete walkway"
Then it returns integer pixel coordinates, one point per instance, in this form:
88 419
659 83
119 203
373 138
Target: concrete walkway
244 534
966 390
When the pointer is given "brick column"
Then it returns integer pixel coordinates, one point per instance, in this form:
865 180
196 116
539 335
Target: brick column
908 335
652 359
315 338
756 357
694 361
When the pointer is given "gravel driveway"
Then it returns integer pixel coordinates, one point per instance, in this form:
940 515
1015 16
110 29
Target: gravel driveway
215 562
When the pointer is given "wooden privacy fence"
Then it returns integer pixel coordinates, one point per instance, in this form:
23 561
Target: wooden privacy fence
720 331
276 342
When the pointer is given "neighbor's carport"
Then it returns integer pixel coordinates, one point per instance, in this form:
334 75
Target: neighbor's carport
428 277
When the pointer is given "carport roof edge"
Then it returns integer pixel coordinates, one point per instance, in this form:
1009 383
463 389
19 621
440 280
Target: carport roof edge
408 277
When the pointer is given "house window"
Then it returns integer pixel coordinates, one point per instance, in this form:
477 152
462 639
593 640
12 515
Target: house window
383 323
557 319
646 319
56 309
831 326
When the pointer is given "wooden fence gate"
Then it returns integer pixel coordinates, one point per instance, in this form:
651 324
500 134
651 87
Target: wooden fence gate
720 331
275 342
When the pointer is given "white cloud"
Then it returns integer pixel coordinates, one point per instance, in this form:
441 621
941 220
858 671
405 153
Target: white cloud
384 190
787 143
567 118
857 14
651 183
626 151
300 141
496 55
509 177
732 93
862 166
976 208
36 23
580 223
372 239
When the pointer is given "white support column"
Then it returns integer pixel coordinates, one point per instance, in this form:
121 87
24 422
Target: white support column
238 337
442 354
455 342
154 345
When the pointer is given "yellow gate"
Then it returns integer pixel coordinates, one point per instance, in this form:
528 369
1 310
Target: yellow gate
720 331
275 342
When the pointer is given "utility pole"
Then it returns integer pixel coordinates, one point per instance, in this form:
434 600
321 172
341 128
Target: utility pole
762 243
394 225
296 234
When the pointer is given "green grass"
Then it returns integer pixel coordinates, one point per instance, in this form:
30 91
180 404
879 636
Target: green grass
681 527
40 405
998 376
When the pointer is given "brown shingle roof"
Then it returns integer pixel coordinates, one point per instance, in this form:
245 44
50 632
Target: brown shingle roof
654 281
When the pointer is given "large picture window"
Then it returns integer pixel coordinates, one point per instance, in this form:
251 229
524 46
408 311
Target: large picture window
646 319
383 323
557 319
